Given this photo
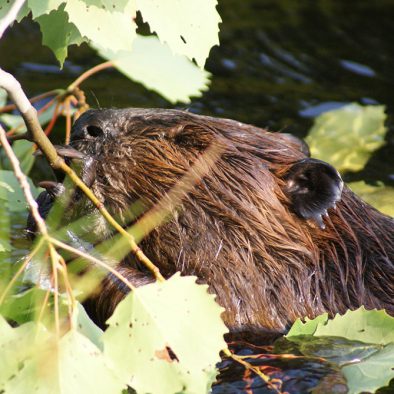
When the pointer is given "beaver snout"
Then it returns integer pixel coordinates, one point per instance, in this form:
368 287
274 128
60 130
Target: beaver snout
93 125
87 131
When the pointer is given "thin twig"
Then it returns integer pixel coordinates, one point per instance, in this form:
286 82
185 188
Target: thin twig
67 109
87 256
11 107
13 87
23 182
55 261
15 277
251 367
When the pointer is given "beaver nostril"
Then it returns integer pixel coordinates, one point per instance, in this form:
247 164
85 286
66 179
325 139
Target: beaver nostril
94 131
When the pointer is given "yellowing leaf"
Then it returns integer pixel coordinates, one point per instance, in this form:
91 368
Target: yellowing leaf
346 137
381 197
152 64
171 331
111 30
188 27
68 366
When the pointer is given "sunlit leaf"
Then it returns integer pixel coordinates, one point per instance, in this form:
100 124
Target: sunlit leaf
58 33
86 326
69 365
111 30
189 28
17 345
5 7
40 7
308 327
156 67
380 196
172 331
346 137
362 325
15 198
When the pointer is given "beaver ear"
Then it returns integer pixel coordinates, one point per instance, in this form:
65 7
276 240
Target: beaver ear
313 186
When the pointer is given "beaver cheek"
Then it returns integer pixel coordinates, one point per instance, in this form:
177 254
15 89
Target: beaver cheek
313 187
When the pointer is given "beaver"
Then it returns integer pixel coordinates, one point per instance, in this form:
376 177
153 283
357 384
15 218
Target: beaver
275 234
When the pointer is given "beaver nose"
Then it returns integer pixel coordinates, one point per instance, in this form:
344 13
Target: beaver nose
94 131
87 131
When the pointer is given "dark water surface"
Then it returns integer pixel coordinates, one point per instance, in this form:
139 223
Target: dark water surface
280 63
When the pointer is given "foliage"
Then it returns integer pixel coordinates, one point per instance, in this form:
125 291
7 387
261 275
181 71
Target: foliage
374 332
178 78
173 333
187 29
177 314
346 138
379 196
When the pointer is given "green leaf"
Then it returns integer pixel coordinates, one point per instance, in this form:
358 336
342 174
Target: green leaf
58 33
189 28
67 366
86 326
16 198
374 366
110 29
23 12
40 7
24 152
26 306
307 328
17 345
372 373
176 315
361 325
346 137
176 78
381 197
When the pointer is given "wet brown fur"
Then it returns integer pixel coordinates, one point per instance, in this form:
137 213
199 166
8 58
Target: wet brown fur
235 229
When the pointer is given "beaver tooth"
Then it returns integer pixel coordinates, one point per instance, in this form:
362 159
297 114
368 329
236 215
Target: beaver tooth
69 152
53 188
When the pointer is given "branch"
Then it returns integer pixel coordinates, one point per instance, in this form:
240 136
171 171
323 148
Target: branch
29 114
23 182
11 16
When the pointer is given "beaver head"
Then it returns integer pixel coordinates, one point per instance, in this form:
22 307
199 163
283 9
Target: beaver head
259 223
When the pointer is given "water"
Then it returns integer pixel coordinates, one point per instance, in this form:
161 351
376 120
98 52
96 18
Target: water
280 63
